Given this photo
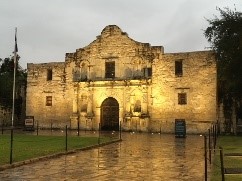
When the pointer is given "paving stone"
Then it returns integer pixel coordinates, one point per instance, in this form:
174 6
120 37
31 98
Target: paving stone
139 157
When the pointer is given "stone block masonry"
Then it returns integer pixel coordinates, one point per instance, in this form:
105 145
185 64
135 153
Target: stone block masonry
116 81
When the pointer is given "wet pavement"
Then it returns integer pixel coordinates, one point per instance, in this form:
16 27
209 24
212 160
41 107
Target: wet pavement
138 157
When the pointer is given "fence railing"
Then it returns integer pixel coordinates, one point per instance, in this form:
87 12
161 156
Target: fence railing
210 141
18 145
221 163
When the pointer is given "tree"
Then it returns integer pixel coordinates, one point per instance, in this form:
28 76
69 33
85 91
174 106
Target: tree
6 82
225 36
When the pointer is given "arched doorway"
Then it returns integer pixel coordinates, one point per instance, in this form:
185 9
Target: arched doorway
110 114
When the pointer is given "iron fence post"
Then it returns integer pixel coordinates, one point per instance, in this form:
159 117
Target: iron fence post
78 128
11 147
205 158
222 163
120 131
66 137
99 130
37 128
209 145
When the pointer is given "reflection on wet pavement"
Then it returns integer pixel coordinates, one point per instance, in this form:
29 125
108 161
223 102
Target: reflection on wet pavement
137 157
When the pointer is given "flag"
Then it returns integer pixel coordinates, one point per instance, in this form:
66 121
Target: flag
16 45
14 74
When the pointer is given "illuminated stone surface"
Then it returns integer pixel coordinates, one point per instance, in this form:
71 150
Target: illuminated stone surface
146 102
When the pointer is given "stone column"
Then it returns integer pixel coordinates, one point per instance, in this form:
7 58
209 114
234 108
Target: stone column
89 103
74 108
131 103
97 118
144 103
74 116
127 105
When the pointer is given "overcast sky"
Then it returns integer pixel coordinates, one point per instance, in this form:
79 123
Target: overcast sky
47 29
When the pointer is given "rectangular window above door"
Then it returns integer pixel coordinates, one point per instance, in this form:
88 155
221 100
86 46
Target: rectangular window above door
110 69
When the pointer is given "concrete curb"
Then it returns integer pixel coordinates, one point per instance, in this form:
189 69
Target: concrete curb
56 155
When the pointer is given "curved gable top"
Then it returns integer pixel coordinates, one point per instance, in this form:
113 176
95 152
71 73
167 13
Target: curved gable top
112 30
113 42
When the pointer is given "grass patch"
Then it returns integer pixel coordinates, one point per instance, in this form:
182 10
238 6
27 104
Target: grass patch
230 144
32 146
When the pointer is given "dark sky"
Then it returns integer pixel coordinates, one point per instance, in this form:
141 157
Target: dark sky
47 29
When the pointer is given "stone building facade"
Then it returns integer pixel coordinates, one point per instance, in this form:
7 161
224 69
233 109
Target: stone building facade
116 81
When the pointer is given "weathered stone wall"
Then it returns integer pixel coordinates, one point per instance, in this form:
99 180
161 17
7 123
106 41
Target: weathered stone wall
79 87
198 82
113 45
38 88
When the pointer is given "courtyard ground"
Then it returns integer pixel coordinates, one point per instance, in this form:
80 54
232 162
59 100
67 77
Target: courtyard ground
140 156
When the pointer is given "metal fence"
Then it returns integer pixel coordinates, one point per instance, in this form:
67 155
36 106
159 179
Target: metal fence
223 165
210 141
17 145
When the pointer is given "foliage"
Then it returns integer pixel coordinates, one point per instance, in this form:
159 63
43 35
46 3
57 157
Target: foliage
225 36
6 82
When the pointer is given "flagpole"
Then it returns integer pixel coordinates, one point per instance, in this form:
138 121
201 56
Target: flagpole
14 75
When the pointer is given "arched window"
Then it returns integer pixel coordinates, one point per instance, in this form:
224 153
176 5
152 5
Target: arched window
76 73
137 67
137 106
84 72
